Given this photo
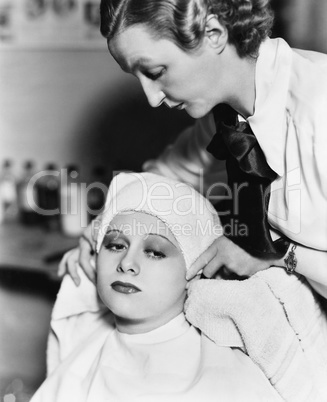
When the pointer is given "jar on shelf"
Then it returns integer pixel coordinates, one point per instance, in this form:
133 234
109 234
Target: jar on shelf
8 192
73 206
27 196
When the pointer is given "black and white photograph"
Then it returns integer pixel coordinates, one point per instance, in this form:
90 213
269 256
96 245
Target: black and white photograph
163 200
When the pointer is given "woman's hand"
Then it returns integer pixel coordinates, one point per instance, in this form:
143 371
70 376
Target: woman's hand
224 254
82 256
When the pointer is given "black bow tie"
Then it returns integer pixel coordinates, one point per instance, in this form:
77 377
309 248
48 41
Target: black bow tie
249 177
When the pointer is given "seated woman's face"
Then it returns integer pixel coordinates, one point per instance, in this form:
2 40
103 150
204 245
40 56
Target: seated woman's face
141 272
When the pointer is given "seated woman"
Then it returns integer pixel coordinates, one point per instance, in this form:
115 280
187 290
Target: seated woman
136 344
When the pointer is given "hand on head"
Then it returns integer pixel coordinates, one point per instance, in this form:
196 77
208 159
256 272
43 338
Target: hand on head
226 255
82 256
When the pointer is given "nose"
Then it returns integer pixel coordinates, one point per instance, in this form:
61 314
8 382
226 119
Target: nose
152 91
129 264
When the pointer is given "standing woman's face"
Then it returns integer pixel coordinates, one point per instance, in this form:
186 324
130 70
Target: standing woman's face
182 80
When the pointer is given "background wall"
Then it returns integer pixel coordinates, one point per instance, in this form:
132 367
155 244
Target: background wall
78 107
303 23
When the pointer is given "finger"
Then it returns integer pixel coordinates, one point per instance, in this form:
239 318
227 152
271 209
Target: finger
68 265
201 262
86 261
62 265
189 283
62 268
90 234
88 240
72 266
213 267
94 228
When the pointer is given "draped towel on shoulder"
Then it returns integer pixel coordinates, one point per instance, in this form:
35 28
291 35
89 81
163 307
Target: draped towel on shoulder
276 319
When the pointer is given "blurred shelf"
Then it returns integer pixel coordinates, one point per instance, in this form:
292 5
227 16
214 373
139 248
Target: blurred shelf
32 248
49 47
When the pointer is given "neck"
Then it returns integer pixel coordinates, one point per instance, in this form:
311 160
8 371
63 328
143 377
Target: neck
141 326
241 83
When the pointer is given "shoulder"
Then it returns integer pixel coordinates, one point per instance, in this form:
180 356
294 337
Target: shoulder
320 59
307 100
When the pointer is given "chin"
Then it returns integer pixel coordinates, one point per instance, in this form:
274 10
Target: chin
124 312
197 111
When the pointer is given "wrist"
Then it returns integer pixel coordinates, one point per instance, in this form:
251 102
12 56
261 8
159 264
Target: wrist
289 261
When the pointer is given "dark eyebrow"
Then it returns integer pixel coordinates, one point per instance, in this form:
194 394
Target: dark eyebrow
163 237
113 230
110 231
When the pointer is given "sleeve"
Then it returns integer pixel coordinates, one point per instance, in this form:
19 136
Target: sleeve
187 159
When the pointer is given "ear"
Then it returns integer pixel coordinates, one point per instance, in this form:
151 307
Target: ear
216 33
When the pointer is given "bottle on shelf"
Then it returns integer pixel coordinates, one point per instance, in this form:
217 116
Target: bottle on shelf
73 208
96 192
48 188
8 193
27 196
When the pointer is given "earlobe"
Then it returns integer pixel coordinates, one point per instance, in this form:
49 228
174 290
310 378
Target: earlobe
216 33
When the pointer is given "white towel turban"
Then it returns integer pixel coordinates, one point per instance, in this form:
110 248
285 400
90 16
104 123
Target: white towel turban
190 217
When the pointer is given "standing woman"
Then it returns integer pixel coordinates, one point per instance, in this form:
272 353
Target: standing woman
266 103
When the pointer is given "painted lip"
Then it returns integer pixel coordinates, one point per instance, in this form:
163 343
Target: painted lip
125 287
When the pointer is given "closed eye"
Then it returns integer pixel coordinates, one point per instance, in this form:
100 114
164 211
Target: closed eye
115 247
154 76
156 255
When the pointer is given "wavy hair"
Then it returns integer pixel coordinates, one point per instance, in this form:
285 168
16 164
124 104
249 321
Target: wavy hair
183 22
